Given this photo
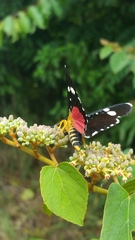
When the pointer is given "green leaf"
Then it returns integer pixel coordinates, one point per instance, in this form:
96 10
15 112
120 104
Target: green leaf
118 61
8 25
24 22
105 51
36 15
130 186
56 7
119 215
46 210
16 30
65 192
45 8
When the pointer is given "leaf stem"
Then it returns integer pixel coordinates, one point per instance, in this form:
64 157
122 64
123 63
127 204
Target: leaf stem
115 179
93 188
51 153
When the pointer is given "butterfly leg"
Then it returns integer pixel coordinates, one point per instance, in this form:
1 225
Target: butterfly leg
83 141
63 125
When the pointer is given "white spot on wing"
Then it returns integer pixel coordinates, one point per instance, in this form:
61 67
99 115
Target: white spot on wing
79 99
72 90
117 121
94 133
111 113
68 88
106 109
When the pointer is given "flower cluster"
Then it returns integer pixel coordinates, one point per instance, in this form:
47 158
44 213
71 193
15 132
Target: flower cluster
37 135
8 124
100 162
41 135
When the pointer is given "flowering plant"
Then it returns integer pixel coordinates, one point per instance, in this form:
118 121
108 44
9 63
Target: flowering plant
63 188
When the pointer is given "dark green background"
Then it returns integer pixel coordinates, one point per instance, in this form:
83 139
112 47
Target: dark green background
33 87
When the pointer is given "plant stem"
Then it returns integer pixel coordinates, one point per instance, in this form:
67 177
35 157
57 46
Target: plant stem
93 188
100 190
28 150
51 153
115 179
13 136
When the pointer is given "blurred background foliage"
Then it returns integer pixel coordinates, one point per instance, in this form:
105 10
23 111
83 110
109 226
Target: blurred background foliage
95 39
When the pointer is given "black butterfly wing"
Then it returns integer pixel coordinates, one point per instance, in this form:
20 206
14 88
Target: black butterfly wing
95 122
105 118
77 113
73 98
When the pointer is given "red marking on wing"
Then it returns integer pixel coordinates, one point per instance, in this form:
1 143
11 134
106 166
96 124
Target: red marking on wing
78 120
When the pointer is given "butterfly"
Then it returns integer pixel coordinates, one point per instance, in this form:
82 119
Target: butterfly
79 124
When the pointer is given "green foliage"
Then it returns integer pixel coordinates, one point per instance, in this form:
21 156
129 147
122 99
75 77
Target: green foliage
50 34
118 221
118 61
129 130
122 58
24 22
46 210
37 39
129 186
35 14
65 192
63 188
105 51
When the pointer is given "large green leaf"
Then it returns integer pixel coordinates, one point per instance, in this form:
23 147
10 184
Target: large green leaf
119 215
118 61
65 192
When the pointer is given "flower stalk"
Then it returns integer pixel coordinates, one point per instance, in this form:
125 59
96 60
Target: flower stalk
27 150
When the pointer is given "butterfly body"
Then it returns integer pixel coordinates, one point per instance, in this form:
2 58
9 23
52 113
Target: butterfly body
80 124
75 138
